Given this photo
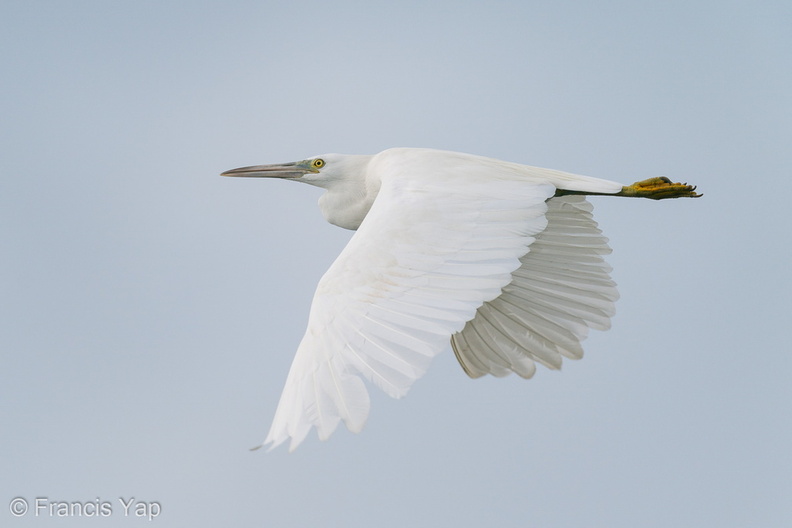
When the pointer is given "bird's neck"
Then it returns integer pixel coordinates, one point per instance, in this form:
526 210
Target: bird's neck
349 197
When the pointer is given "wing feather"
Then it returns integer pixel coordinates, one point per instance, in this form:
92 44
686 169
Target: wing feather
562 288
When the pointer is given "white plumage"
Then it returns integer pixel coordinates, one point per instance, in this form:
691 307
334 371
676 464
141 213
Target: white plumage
449 246
561 289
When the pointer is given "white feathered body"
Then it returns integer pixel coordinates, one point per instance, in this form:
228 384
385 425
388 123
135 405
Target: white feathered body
449 247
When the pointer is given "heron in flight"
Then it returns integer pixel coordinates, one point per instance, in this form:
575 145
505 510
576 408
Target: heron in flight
503 260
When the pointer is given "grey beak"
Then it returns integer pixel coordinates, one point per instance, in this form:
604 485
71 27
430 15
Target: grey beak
278 170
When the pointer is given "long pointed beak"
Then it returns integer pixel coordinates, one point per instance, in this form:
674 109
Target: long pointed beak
278 170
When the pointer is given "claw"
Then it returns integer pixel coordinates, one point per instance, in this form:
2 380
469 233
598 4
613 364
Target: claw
659 188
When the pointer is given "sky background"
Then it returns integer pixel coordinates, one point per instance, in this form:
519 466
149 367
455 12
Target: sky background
150 309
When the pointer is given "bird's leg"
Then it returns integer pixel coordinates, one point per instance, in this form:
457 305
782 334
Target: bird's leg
659 189
653 188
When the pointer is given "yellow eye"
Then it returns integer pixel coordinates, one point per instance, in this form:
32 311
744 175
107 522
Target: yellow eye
318 163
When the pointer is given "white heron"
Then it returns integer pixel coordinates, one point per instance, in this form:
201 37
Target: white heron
501 259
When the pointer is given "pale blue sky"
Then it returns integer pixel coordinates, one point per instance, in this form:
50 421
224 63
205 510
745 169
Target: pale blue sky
151 309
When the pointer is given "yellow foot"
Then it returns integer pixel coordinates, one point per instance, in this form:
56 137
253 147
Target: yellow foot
659 189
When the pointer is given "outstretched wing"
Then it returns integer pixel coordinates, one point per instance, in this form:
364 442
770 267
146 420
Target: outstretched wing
562 288
442 237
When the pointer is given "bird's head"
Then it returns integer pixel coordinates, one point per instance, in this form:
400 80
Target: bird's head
351 188
321 171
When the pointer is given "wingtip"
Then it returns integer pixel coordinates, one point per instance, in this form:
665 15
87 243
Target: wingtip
270 444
